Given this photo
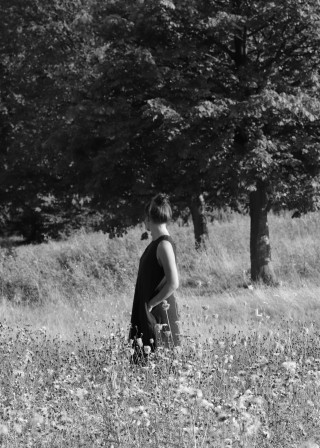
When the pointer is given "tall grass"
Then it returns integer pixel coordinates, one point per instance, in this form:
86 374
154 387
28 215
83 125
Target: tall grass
93 263
248 372
90 278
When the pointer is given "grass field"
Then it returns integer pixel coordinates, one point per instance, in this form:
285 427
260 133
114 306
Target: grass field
247 375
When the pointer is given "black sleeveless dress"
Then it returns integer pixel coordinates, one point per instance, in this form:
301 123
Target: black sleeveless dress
143 323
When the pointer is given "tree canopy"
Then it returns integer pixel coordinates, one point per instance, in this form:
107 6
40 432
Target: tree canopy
210 99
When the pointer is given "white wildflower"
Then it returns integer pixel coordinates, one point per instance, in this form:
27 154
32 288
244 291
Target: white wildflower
4 431
206 404
165 305
290 366
147 349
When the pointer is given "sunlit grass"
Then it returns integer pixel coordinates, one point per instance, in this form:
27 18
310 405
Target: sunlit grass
252 385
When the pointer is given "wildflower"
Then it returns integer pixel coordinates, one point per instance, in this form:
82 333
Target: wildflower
266 433
151 341
139 342
253 428
290 366
165 305
206 404
36 419
167 333
199 393
4 431
147 349
279 347
186 390
191 429
81 393
259 401
177 350
17 428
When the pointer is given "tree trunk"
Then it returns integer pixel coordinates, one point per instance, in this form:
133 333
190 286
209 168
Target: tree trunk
199 218
260 250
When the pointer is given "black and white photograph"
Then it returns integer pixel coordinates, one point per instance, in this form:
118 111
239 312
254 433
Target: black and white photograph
159 224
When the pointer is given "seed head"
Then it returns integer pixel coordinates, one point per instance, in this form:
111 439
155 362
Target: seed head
147 349
165 305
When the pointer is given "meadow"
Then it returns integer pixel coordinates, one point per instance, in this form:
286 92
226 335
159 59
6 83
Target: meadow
247 374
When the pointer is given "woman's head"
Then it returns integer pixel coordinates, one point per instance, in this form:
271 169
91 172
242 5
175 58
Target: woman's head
159 209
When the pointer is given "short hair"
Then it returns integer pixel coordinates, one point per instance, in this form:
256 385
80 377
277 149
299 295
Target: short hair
158 210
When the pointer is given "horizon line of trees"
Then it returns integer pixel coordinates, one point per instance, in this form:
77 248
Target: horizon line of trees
215 102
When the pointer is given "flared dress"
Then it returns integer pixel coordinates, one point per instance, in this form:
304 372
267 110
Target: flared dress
159 326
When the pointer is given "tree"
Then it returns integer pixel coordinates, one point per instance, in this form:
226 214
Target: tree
44 64
134 112
223 97
218 97
268 112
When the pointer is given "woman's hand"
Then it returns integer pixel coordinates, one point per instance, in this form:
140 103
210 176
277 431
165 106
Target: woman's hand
150 307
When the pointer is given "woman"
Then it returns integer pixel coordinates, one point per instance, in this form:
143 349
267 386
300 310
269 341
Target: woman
154 318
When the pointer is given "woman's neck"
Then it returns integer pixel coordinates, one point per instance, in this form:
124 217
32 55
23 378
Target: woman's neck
158 230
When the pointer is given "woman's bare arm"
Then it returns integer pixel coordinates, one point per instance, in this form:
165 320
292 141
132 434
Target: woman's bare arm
166 257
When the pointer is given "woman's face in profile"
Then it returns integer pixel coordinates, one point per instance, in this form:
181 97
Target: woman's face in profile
147 223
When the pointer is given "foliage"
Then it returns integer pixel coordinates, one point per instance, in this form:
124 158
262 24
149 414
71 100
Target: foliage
211 96
44 54
131 98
